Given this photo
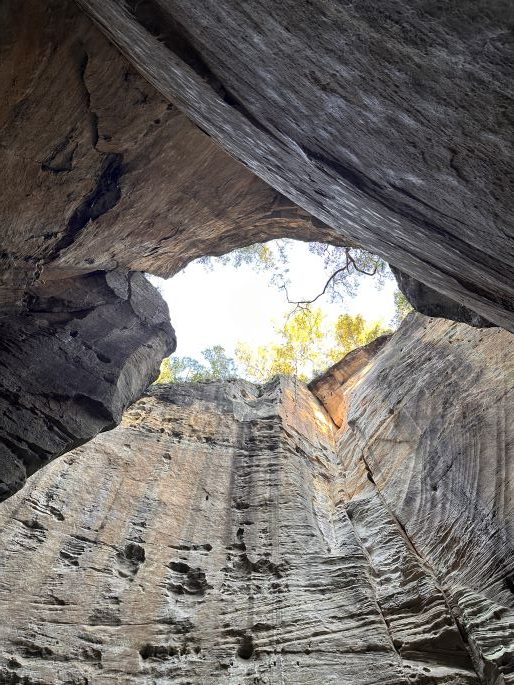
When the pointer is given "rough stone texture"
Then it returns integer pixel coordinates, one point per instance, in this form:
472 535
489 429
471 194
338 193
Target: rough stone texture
332 387
391 122
431 303
387 127
431 425
229 533
71 364
225 533
101 172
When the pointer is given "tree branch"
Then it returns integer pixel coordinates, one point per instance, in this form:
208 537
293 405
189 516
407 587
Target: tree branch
350 262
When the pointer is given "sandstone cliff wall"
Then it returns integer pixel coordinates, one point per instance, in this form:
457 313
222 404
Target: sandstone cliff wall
229 533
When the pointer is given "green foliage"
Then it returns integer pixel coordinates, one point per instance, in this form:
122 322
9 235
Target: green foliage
273 257
355 331
402 307
220 367
186 369
299 352
354 264
259 255
306 345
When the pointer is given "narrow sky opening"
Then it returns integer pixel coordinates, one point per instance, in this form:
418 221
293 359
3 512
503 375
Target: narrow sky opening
225 304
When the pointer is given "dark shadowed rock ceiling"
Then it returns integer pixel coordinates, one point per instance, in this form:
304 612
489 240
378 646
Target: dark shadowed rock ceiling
391 121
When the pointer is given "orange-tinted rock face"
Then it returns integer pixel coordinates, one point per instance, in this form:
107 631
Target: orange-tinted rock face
332 388
430 423
230 533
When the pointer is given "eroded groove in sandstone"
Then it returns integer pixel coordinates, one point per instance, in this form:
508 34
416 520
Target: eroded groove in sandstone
238 571
431 420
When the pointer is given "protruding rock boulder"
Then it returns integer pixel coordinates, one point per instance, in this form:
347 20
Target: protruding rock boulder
81 353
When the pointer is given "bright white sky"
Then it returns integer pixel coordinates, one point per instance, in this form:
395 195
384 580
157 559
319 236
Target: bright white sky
226 305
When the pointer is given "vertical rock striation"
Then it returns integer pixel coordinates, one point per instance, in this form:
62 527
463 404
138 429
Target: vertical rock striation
425 445
230 533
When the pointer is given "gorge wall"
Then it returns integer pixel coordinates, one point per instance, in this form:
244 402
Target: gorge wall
138 136
231 533
357 532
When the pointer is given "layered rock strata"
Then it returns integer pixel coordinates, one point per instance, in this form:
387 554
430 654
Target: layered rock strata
101 172
390 122
314 120
354 113
72 362
102 176
230 533
425 445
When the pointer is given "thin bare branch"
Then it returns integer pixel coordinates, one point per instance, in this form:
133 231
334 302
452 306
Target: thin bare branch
299 303
350 262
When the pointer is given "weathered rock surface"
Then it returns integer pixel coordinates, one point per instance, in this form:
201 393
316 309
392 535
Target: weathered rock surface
386 127
101 172
355 112
80 354
431 303
389 121
430 422
228 533
332 387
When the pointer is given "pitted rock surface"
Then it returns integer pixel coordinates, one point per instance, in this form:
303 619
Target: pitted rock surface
84 350
231 533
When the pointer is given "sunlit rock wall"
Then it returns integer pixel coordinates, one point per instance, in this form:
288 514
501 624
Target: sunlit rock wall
229 533
425 448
